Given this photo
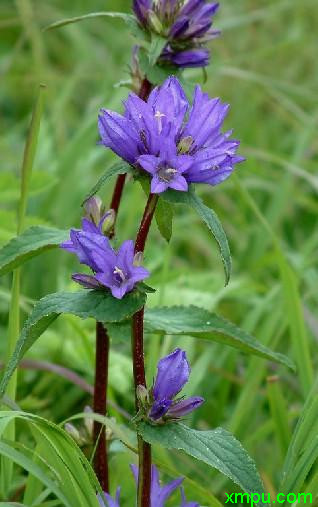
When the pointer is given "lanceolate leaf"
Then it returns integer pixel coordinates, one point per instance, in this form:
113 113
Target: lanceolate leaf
56 461
195 321
210 218
303 447
120 167
164 218
218 448
97 304
30 243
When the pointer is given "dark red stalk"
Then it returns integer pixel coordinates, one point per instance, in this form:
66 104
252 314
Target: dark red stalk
116 199
102 347
99 407
144 449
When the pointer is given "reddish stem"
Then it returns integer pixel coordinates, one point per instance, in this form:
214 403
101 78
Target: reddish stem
145 223
145 89
144 449
100 401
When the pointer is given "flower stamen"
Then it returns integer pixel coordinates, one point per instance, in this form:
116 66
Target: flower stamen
159 117
166 174
120 273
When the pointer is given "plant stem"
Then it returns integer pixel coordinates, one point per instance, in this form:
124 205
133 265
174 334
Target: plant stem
100 401
144 449
145 89
116 198
146 222
102 347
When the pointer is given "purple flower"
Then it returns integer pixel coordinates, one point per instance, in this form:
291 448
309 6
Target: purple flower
141 8
186 24
173 373
197 57
159 494
88 244
108 501
166 169
118 271
175 143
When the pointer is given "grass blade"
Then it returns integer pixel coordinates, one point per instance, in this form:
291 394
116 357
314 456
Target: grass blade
14 313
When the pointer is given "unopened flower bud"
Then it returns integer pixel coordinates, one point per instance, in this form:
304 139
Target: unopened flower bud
109 431
73 432
138 259
88 421
142 395
108 220
155 22
94 209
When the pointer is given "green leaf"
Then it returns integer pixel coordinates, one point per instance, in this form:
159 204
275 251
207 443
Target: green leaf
7 450
129 19
97 304
156 47
210 218
198 322
29 244
164 217
143 287
303 447
155 73
120 167
218 448
56 461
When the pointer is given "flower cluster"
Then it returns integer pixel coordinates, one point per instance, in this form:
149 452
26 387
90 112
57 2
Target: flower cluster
186 24
173 142
118 271
159 494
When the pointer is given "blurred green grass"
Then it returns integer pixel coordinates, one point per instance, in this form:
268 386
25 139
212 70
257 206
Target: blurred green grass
264 65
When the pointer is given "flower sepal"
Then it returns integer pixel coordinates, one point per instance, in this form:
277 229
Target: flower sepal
144 288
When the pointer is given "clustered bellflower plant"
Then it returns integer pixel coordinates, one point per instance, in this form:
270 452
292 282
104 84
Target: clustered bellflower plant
175 144
186 25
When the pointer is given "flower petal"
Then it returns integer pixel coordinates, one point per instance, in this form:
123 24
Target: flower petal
172 374
117 134
149 163
87 281
159 409
179 183
184 407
